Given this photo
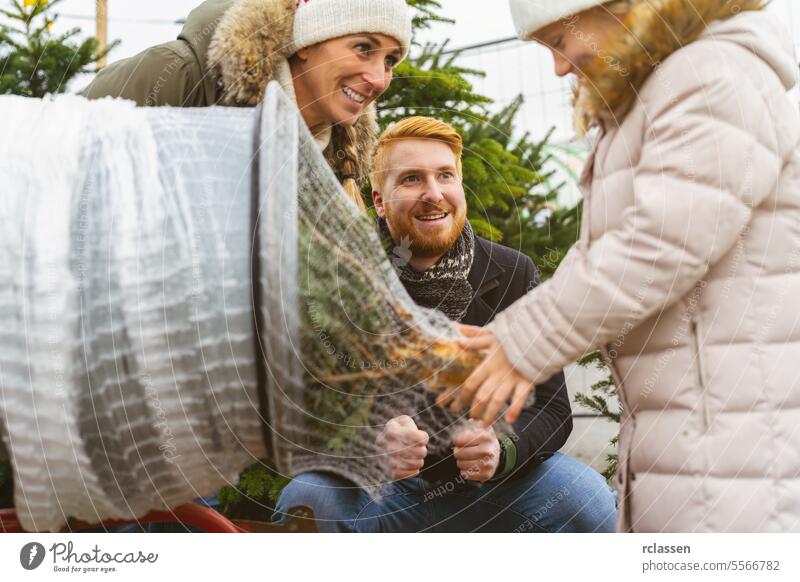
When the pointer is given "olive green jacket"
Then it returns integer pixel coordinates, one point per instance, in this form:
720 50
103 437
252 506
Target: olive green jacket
174 73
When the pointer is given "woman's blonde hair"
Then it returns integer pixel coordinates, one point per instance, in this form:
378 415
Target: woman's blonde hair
653 30
348 165
619 7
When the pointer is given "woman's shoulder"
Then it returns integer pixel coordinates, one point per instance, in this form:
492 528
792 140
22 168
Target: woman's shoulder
733 50
165 74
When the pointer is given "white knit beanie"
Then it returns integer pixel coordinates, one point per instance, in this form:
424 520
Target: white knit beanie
532 15
319 20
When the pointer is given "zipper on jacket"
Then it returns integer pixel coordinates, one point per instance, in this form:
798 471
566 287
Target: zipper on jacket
624 473
706 413
615 377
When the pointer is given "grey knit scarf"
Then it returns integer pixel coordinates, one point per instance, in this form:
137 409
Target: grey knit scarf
445 285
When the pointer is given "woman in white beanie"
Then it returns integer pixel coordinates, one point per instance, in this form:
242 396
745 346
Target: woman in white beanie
688 267
333 57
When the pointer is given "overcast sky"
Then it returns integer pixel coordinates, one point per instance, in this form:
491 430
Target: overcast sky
475 23
511 69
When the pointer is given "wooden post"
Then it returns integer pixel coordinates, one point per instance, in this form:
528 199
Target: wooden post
101 20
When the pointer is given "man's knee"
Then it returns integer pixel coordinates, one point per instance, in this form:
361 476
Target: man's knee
571 497
334 500
590 505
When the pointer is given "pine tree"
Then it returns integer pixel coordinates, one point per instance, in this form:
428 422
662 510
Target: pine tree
597 401
33 61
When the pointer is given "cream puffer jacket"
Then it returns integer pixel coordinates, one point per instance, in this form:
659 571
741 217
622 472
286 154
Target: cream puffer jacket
687 274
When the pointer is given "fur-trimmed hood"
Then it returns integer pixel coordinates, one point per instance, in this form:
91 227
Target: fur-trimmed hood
249 46
655 29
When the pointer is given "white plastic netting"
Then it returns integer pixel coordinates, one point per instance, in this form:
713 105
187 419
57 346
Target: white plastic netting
126 353
128 376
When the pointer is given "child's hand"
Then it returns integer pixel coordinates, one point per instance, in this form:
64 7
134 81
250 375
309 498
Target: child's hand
494 382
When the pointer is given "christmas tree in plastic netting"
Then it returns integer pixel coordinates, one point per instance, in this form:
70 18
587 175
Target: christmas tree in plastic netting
359 351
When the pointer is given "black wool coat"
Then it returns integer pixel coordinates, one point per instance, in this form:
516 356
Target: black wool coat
499 276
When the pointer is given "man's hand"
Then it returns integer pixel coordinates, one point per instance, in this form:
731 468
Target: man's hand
406 445
477 453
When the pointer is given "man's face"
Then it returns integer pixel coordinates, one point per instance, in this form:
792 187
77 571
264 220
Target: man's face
422 197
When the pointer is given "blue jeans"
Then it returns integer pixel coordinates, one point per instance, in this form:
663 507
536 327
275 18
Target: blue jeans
559 495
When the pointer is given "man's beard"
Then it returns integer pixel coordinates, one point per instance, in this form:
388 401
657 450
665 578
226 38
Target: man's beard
422 244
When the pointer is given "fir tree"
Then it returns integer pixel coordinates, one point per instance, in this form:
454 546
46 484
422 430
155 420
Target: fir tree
33 61
597 401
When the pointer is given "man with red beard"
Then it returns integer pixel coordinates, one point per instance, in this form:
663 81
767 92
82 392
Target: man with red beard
516 482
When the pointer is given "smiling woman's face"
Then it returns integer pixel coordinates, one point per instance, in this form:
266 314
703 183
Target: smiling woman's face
337 79
577 40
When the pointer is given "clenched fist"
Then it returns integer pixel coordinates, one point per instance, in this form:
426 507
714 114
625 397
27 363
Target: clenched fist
406 446
477 453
